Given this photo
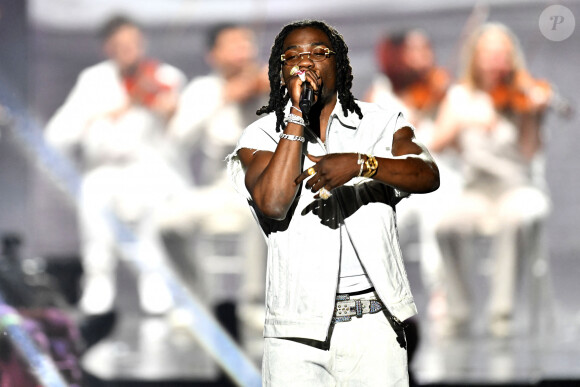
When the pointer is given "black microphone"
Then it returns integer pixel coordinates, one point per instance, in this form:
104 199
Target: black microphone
306 98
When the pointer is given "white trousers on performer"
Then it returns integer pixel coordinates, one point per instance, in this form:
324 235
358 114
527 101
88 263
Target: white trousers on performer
132 193
362 352
428 211
515 221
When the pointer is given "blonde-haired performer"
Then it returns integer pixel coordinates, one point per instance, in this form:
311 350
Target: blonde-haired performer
493 117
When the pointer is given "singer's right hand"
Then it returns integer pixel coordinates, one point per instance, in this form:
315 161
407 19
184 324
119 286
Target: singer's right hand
294 84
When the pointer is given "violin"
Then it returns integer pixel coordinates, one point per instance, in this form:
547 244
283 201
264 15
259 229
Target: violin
522 94
142 83
425 92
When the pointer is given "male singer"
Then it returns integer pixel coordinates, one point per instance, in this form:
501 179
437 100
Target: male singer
323 185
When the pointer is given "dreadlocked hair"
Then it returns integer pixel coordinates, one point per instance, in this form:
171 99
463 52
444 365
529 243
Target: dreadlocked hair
279 95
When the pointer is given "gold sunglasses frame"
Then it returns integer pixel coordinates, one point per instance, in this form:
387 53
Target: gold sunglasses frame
328 53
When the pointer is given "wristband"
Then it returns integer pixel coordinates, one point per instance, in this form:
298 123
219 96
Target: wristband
360 162
295 108
292 137
294 119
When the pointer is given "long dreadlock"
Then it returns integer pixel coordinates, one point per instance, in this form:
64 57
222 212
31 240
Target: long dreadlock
279 95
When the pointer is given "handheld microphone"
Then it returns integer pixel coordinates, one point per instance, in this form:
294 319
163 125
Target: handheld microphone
306 98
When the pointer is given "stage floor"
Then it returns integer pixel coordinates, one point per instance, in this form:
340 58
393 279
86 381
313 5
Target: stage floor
149 349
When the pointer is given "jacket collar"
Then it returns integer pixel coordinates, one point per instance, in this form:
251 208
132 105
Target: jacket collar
352 121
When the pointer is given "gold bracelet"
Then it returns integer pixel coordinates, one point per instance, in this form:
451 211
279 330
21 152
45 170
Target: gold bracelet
371 164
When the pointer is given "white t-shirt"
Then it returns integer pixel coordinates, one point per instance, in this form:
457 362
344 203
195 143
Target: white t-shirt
352 276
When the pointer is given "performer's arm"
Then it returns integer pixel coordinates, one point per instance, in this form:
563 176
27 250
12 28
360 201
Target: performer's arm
65 129
412 168
270 176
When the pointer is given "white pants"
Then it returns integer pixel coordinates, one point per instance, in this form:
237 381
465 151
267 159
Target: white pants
514 220
214 210
132 193
428 211
362 352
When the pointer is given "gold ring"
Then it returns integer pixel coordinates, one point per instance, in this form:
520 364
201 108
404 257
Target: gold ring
294 70
324 193
310 171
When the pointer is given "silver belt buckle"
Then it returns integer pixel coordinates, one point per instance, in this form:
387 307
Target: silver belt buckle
346 308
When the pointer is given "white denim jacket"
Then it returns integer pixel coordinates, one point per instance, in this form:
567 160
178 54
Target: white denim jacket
304 248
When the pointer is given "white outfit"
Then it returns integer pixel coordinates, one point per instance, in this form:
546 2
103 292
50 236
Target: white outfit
363 352
500 199
205 121
305 249
128 170
427 210
206 127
